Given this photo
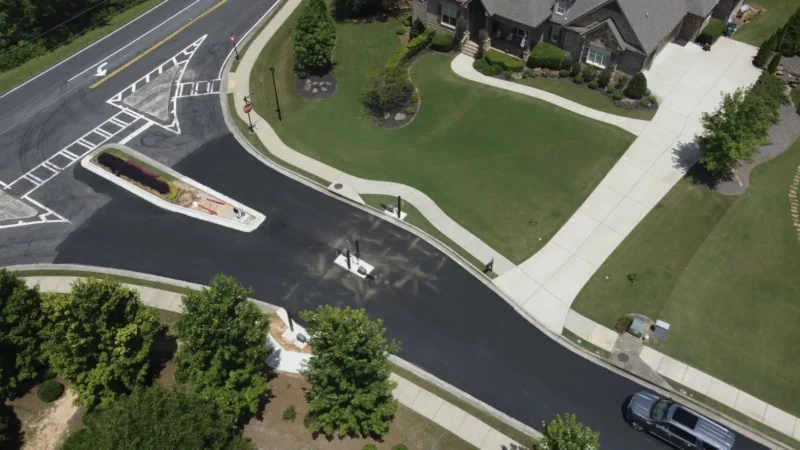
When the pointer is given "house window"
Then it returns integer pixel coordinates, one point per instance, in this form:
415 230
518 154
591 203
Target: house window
598 56
449 15
555 34
518 32
561 7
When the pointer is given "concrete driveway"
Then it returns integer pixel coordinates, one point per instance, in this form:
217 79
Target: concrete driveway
687 82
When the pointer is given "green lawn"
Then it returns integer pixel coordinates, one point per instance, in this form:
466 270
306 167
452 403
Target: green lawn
13 77
776 15
581 94
724 272
509 168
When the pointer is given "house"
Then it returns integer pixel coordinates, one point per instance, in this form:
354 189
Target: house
625 35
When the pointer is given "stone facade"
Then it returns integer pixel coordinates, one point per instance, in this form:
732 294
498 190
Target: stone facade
430 13
612 12
691 27
629 63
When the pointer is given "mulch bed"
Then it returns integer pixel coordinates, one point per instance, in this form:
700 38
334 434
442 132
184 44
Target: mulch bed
315 87
397 118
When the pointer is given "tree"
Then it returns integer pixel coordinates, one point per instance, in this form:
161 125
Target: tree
773 63
568 434
351 393
387 89
351 8
791 37
10 428
21 329
314 39
157 418
461 28
764 52
99 339
733 132
224 347
637 87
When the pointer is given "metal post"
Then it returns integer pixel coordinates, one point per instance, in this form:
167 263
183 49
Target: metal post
490 266
398 206
247 102
289 316
275 88
348 259
358 252
236 50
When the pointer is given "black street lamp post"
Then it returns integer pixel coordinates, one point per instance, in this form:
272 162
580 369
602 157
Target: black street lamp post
275 88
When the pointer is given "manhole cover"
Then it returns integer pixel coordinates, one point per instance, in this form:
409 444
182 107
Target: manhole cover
337 186
623 357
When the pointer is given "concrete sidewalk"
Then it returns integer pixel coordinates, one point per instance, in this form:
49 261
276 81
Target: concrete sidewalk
432 407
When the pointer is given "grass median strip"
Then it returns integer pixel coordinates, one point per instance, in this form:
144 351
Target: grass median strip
585 344
13 77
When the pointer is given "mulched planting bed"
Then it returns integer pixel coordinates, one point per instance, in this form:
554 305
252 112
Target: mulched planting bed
315 87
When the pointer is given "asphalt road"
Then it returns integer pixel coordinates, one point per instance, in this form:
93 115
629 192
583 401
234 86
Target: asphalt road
448 322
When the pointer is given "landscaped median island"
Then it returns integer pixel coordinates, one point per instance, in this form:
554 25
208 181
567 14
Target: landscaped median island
168 189
723 271
509 168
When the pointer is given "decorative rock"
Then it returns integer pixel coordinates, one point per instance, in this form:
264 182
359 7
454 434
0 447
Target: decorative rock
324 89
399 116
315 90
306 87
537 71
386 115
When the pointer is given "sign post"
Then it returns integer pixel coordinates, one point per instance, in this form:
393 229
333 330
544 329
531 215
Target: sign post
247 108
235 50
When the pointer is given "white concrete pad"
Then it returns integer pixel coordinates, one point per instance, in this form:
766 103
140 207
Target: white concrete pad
427 404
780 420
600 203
599 245
498 441
723 392
547 310
753 407
450 417
575 232
596 115
517 284
649 191
570 278
681 102
624 218
659 135
622 177
796 433
473 431
635 126
671 120
405 392
669 168
579 325
696 380
603 337
672 369
545 262
651 357
643 153
49 284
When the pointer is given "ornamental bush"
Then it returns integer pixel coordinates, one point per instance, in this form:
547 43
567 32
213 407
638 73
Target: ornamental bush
399 447
623 323
414 46
289 413
604 78
578 79
593 84
480 65
617 95
400 30
575 70
387 89
567 62
589 72
563 73
369 447
610 89
507 62
443 43
546 56
50 391
637 88
493 70
314 39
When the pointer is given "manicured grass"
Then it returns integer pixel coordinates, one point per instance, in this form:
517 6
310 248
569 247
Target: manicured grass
509 168
734 414
581 94
15 76
418 220
776 15
723 271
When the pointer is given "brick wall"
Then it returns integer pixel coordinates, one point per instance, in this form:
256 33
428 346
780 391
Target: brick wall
610 11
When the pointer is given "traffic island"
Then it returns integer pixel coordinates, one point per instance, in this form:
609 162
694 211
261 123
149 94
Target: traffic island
168 189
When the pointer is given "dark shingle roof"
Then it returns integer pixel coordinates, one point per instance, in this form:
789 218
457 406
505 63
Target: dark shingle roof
652 20
614 30
525 12
700 8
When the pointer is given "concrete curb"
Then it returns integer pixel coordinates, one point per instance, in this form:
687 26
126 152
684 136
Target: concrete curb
87 164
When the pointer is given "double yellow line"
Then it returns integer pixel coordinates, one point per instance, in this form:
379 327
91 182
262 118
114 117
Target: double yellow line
159 44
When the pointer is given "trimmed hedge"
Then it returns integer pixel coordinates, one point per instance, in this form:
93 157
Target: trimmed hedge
576 68
507 62
546 56
563 73
493 70
50 391
414 46
610 89
444 43
637 87
711 32
578 79
604 78
133 171
480 65
589 72
617 95
400 30
593 84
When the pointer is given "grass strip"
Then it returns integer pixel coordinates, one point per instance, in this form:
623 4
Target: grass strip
585 344
256 142
480 414
13 77
120 278
419 220
734 414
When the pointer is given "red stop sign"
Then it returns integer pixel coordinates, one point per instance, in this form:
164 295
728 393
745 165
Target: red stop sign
247 108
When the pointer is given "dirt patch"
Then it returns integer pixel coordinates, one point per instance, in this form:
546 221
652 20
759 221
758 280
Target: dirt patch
47 425
276 328
272 432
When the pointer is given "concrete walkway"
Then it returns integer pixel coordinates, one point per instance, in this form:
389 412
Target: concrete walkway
432 407
349 185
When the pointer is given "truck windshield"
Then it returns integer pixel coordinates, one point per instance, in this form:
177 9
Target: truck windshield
660 410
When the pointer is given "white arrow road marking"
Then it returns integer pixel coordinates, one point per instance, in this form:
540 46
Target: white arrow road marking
101 70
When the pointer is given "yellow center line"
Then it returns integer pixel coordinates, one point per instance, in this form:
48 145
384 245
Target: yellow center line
159 44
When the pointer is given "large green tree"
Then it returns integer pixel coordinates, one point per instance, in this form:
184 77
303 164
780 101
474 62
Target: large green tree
21 329
791 37
765 52
351 393
314 39
568 434
223 347
157 418
99 339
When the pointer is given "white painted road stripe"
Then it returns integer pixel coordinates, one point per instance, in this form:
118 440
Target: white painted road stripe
139 131
69 154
